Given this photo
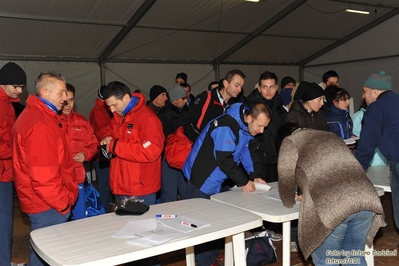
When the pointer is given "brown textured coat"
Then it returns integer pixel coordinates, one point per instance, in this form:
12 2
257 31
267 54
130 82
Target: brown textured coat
333 183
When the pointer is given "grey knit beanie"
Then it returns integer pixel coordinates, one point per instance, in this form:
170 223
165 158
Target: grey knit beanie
175 92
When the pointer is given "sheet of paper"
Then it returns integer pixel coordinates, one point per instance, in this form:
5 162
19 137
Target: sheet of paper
349 141
263 187
258 187
177 225
156 237
136 227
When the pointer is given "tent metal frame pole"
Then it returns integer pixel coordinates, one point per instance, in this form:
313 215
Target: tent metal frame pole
355 61
260 30
102 73
350 36
126 30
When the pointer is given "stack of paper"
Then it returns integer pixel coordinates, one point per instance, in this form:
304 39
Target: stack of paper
145 232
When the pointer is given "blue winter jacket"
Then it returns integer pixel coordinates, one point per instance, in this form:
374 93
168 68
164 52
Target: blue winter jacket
218 152
380 129
339 122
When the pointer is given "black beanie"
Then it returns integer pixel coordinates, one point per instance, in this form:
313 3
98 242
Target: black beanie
287 80
155 91
182 75
12 74
308 91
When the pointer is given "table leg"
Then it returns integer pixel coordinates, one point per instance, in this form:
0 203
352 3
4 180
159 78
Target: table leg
190 258
239 250
369 258
286 243
228 251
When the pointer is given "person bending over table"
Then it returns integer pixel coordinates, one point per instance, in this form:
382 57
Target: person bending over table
340 208
216 155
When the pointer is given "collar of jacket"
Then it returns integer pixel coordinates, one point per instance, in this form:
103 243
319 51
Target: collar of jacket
49 105
36 102
382 94
338 111
237 111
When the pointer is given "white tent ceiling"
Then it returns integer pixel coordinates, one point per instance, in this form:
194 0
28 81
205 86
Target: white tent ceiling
291 32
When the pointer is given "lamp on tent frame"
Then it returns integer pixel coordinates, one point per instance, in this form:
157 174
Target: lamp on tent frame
349 10
356 11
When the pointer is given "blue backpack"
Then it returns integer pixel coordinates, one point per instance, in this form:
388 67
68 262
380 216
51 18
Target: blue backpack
94 206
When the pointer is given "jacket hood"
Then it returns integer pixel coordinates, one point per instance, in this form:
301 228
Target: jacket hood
237 112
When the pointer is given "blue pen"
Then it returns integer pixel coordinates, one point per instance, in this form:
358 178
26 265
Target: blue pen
166 216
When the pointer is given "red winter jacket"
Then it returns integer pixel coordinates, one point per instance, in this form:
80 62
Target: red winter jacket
136 168
81 139
99 118
43 167
7 120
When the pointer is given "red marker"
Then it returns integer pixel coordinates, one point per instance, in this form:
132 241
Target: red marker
188 224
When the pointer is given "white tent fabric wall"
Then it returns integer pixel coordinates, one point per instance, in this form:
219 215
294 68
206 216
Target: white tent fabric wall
371 52
380 41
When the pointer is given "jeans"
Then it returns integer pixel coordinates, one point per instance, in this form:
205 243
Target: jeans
173 182
394 183
40 220
349 236
79 208
205 254
102 171
6 210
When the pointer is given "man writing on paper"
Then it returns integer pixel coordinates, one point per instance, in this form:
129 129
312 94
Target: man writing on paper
221 147
217 154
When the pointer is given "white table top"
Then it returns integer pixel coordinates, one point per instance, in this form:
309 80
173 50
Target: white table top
379 176
89 241
270 210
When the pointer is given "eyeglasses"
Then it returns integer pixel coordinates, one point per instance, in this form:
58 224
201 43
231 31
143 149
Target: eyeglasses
19 86
184 98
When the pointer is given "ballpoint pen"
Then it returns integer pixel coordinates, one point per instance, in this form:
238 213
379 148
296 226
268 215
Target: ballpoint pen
165 216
